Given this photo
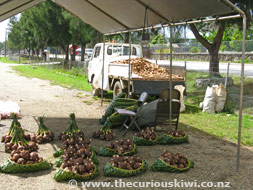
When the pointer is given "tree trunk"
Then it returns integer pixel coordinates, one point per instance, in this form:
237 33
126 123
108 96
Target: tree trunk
66 51
83 52
73 55
214 63
213 48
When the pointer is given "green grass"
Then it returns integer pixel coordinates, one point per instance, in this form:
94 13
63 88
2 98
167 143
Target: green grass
7 60
57 77
222 125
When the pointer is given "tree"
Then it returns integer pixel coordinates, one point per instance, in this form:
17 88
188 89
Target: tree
216 32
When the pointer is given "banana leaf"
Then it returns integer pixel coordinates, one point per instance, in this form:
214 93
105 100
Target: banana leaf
169 139
145 142
58 153
112 171
59 162
160 165
64 174
104 151
12 167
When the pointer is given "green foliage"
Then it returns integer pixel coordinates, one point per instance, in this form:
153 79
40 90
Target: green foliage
57 77
112 171
62 175
223 48
12 167
104 151
144 142
160 165
158 39
163 51
168 139
195 50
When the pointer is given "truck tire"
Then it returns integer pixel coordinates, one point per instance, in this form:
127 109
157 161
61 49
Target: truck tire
117 89
95 92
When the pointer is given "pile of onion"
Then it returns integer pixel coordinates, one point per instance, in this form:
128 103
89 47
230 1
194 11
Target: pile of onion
176 160
44 134
126 162
147 134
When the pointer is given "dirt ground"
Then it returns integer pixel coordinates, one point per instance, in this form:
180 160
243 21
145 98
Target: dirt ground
214 159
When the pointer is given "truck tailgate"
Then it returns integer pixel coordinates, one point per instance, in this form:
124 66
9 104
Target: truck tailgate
153 87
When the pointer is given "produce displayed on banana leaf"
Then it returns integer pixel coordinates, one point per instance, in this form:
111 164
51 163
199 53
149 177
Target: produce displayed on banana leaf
124 147
18 142
172 162
105 133
23 159
174 137
77 159
72 129
7 138
44 134
80 169
125 166
110 109
146 137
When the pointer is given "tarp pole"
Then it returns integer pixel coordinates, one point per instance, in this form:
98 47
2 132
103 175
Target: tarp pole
185 48
170 122
129 64
103 71
241 96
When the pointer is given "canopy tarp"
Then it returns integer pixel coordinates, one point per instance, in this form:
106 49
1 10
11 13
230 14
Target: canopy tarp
9 8
109 16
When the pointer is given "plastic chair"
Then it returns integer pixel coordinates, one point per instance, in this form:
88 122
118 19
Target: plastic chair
163 113
165 94
132 115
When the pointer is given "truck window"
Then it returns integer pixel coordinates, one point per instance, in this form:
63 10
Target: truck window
126 50
109 50
97 52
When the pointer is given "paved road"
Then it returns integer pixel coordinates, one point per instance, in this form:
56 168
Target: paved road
235 68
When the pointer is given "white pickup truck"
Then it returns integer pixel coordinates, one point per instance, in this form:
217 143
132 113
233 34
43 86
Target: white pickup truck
116 75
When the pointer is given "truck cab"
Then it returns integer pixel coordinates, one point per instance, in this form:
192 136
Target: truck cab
113 52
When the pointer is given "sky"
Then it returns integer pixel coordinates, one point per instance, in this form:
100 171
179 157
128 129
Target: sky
3 26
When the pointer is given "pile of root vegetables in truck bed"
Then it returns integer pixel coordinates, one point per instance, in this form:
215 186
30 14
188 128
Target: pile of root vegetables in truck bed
150 71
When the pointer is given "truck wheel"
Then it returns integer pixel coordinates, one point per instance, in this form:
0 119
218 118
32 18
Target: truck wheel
95 92
117 89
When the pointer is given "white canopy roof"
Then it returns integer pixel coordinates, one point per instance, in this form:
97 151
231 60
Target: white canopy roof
9 8
109 16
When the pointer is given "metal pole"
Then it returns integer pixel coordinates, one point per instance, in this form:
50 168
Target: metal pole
226 80
185 60
103 72
5 43
241 96
171 32
129 65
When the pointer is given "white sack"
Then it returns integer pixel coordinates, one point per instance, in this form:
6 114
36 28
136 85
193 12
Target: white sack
181 89
210 99
221 95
